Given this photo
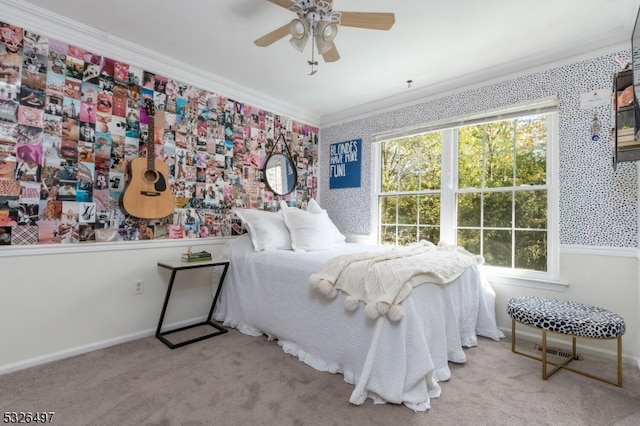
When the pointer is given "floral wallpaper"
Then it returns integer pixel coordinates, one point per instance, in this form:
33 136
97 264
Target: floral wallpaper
72 121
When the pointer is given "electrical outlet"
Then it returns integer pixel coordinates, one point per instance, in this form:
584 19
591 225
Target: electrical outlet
138 287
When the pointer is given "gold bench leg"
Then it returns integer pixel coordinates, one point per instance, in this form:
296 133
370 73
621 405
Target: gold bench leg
544 355
619 361
563 365
545 374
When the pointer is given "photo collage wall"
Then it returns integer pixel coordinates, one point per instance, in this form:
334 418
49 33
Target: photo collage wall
72 121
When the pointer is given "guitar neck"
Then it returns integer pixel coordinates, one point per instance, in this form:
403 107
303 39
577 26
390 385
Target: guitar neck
150 143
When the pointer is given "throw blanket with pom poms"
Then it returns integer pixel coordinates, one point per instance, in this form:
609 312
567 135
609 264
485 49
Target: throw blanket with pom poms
384 279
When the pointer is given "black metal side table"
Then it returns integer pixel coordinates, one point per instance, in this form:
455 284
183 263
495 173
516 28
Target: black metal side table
174 266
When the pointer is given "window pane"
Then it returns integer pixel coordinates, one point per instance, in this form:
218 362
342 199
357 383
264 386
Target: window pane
430 209
531 209
531 167
431 174
412 163
499 136
497 248
389 167
429 233
407 234
531 250
469 209
499 170
388 235
497 209
470 140
431 161
408 209
531 132
388 208
470 172
469 239
410 174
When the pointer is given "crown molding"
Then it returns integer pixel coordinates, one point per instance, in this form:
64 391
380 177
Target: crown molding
61 28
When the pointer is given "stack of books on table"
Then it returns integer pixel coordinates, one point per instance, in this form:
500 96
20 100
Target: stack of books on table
201 256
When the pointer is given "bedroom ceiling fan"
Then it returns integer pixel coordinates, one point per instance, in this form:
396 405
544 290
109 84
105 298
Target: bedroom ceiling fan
319 22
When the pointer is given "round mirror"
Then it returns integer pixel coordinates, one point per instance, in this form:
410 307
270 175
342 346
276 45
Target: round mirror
280 174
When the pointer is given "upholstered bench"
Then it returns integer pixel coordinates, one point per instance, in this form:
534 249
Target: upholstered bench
569 318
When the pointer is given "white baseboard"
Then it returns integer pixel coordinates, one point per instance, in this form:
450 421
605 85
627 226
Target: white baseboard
68 353
583 345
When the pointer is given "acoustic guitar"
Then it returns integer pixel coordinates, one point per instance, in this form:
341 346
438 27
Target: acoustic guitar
147 195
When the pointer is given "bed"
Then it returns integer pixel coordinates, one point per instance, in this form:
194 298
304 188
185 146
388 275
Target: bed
401 361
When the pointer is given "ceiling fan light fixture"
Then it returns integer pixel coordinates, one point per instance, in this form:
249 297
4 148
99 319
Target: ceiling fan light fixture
299 43
326 31
299 30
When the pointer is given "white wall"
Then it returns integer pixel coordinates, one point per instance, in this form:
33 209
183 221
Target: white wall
65 302
603 280
58 301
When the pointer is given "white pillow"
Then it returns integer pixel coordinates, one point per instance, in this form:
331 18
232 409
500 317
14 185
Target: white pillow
314 207
267 229
309 231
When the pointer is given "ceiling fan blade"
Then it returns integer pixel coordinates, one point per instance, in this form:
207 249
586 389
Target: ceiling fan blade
273 36
284 3
370 20
331 55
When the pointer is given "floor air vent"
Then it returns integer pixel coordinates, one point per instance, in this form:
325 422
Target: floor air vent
555 351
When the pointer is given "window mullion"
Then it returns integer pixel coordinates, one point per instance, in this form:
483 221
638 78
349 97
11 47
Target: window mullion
449 184
376 177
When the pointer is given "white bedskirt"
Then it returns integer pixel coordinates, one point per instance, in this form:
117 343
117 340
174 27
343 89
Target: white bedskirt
399 362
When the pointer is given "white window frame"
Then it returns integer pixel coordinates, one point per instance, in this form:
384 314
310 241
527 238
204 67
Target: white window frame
547 280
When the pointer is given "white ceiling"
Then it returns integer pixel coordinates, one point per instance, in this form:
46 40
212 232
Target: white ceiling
439 45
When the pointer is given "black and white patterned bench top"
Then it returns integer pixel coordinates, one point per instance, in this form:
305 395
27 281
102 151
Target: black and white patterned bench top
566 316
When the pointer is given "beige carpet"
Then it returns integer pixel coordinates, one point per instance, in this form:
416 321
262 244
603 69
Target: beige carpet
235 379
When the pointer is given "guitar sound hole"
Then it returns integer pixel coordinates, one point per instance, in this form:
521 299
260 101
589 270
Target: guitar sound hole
150 175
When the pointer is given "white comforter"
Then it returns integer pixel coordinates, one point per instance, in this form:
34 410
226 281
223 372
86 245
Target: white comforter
399 362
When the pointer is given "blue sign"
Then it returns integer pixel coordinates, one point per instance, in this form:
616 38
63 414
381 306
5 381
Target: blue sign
344 164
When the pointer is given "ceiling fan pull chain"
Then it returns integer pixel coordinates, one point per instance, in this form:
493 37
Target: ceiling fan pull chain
313 61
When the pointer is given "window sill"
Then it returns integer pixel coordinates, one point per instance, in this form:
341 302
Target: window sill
538 284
